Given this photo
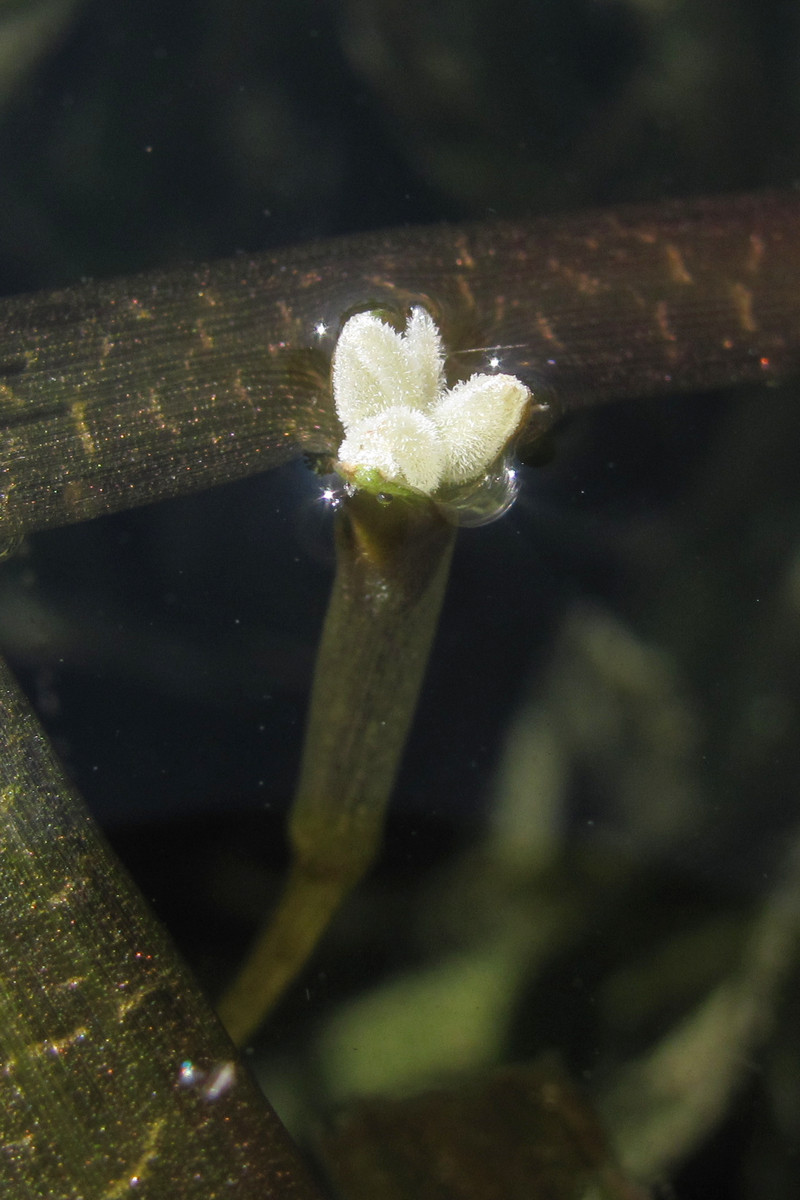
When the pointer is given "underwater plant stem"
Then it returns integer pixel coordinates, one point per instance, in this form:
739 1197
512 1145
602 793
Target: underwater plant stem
392 566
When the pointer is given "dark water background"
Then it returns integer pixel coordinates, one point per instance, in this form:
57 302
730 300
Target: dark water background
169 650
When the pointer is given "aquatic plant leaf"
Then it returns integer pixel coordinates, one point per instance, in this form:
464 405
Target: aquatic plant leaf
117 1079
520 1132
116 393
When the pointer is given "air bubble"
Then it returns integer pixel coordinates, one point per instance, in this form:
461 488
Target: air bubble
476 503
486 499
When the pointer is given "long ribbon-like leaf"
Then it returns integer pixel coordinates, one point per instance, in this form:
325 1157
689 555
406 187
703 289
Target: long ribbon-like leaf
116 1079
113 394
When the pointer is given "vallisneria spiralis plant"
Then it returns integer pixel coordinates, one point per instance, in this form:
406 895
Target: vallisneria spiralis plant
416 456
414 452
118 393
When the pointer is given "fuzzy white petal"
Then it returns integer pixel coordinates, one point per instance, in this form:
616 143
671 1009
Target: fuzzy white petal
423 347
475 420
375 367
402 443
370 369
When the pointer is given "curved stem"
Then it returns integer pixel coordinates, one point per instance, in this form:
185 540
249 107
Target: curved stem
392 565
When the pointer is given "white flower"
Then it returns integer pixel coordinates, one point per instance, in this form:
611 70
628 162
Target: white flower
400 420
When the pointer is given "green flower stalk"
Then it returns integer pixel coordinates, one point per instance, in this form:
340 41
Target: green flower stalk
392 559
405 432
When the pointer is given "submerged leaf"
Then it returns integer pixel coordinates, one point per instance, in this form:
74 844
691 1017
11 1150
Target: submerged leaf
521 1133
117 1079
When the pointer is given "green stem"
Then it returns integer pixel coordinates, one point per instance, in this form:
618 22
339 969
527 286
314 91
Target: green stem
392 565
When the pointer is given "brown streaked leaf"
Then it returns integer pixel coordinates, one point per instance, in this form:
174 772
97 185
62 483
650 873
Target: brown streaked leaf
117 393
116 1077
